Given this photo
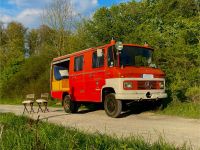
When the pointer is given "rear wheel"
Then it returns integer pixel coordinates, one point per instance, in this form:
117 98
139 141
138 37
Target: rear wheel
69 105
112 106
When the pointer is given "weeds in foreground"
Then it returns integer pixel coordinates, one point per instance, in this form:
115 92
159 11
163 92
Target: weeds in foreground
24 133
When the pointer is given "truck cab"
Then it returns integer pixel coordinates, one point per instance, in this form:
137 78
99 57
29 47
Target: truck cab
112 74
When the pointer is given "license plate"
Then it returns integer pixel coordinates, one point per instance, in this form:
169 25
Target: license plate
147 76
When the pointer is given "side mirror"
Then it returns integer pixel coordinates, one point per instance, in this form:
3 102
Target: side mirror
119 46
99 52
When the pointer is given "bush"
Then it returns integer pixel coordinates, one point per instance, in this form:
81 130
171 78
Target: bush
193 94
32 77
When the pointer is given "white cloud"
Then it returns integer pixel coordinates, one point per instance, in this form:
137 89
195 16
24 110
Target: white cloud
84 6
6 18
28 17
29 11
29 3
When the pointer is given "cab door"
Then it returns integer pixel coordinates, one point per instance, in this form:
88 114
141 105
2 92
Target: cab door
96 77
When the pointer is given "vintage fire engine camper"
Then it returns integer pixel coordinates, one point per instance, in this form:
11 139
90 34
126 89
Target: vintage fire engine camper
114 74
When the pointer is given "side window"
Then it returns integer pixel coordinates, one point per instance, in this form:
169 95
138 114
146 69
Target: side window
97 61
78 63
110 57
60 72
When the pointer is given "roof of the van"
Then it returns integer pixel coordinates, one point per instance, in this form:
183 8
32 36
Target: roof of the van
82 51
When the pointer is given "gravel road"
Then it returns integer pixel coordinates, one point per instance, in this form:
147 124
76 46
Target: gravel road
150 126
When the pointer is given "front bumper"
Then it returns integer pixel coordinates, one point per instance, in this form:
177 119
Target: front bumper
147 95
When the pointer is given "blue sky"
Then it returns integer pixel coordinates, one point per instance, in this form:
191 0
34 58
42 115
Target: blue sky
29 12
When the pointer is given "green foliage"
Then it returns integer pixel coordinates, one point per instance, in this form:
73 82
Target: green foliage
24 133
193 94
171 27
32 77
188 110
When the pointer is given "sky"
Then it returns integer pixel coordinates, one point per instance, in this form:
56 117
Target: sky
28 12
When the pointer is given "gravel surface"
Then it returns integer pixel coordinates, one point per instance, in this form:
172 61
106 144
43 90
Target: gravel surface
150 126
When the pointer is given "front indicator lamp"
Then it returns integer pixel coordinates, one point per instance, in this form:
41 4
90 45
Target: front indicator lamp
128 85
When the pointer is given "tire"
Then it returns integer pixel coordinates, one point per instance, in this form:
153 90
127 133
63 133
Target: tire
112 106
159 105
69 106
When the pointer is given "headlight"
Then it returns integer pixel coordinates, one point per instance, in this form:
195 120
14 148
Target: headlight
128 85
161 85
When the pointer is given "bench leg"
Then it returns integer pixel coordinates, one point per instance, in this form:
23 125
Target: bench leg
25 109
45 107
32 110
39 107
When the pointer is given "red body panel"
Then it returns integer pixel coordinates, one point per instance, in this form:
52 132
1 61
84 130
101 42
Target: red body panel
57 94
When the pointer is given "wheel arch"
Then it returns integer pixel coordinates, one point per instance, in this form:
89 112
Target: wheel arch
105 91
63 96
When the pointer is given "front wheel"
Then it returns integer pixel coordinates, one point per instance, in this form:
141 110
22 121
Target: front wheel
69 105
112 106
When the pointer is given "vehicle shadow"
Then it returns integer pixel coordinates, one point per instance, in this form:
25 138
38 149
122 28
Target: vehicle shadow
131 109
141 107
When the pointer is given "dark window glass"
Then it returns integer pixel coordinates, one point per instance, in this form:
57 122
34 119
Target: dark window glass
135 56
110 57
60 72
78 63
97 61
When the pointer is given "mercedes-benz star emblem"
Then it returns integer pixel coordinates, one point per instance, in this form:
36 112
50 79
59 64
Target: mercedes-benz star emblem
148 85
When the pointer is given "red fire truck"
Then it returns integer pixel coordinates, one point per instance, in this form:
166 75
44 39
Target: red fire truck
113 74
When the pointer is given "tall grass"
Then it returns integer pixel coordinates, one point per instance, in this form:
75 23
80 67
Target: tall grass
182 109
12 101
21 133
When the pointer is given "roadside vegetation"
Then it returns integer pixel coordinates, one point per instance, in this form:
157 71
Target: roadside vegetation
19 132
171 27
184 109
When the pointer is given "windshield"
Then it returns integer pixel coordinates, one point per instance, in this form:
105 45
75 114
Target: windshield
135 56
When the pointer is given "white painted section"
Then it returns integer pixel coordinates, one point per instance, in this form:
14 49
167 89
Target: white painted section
60 61
117 85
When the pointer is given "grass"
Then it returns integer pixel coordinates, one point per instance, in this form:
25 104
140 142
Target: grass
18 101
22 133
13 101
182 109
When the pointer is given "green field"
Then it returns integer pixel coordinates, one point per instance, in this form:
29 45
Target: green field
22 133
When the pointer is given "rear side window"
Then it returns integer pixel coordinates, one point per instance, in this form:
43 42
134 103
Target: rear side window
78 63
97 61
60 72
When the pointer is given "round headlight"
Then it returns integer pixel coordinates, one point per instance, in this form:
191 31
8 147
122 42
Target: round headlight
128 85
119 46
162 85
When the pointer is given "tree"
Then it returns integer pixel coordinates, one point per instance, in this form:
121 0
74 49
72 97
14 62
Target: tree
11 52
59 17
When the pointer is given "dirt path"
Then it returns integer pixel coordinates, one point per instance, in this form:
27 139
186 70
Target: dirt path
148 125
